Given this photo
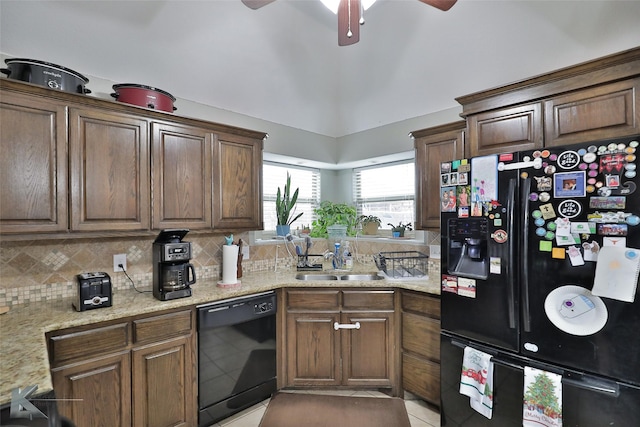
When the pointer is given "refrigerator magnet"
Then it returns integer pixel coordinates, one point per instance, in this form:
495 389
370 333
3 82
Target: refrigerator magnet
495 265
466 287
615 202
568 159
569 208
613 229
449 283
547 211
569 184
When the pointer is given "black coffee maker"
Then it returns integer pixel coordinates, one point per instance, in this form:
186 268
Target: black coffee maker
172 273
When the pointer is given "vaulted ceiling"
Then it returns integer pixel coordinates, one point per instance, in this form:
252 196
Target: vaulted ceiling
282 63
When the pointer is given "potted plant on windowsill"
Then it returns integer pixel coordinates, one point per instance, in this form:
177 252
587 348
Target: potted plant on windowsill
370 224
398 230
329 214
285 208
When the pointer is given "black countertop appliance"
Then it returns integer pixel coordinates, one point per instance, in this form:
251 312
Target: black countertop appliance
173 274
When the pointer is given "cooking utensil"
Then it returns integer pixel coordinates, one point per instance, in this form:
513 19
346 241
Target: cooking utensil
144 96
45 74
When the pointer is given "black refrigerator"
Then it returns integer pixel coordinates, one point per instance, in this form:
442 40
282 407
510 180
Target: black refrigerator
540 252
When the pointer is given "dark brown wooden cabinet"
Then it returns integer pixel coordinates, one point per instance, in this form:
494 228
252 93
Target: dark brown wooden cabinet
182 171
340 338
135 372
109 161
421 345
237 182
508 129
434 146
33 165
75 165
591 101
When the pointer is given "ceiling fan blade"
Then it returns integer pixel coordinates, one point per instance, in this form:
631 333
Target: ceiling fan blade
348 22
256 4
440 4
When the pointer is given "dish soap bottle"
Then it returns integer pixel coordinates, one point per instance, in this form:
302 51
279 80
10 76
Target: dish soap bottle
346 257
337 257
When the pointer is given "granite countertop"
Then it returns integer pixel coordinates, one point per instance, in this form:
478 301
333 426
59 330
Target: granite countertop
24 359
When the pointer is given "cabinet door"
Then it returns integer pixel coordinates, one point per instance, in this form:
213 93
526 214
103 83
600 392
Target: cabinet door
433 149
109 156
421 377
237 183
313 349
163 384
96 393
602 112
181 176
33 165
368 352
505 130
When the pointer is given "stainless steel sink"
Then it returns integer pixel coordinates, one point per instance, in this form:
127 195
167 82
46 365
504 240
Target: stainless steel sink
366 276
349 277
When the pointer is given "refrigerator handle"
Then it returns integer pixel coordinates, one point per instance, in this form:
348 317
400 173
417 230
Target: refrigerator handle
597 385
524 199
511 303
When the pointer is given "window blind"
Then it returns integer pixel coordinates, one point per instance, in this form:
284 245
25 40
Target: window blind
274 175
386 191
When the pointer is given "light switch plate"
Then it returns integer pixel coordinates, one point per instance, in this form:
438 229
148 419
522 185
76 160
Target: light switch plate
245 252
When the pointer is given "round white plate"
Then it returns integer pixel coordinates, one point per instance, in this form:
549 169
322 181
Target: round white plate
584 321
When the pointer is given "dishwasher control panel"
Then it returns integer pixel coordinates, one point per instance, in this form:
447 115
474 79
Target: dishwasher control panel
263 307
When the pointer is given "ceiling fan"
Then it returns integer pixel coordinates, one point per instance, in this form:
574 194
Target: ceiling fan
350 16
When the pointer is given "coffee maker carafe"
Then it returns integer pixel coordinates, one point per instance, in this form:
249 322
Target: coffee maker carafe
172 273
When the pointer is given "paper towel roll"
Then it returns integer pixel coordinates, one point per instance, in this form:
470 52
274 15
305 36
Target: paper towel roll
230 264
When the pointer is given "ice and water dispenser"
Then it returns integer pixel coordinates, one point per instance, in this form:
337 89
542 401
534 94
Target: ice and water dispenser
467 254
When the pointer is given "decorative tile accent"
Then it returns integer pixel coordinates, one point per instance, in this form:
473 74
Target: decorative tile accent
32 271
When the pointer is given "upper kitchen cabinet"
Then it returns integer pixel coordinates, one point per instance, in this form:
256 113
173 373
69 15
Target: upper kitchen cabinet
591 101
434 146
74 165
181 164
109 158
607 111
33 165
507 129
237 182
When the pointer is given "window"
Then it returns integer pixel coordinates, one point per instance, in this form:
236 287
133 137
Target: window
386 191
274 175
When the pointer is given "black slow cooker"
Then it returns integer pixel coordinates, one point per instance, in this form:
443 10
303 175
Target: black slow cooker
45 74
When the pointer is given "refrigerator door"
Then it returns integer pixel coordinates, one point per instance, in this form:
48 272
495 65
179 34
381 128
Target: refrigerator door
479 297
562 322
587 401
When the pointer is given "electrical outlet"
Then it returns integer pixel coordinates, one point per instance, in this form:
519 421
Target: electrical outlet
119 259
245 252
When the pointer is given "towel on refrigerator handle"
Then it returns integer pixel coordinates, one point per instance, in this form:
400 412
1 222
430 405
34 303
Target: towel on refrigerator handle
476 380
542 398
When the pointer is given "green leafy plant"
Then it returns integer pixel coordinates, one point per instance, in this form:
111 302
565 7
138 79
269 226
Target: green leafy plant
400 228
285 204
369 224
330 213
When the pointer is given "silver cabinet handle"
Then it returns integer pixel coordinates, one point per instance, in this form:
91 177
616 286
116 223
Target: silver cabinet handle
337 326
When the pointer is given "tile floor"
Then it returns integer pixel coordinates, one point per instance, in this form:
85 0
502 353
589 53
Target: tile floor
420 414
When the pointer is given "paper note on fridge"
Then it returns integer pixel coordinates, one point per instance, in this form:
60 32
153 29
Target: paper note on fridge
617 273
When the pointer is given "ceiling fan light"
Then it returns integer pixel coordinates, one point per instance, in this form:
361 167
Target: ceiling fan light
333 5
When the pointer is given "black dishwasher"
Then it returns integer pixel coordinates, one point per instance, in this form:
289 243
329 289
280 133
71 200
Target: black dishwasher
236 355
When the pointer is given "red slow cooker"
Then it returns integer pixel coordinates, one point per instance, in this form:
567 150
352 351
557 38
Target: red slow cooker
144 96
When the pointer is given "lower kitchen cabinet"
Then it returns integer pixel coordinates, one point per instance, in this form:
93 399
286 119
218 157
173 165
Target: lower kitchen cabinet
135 372
340 338
421 345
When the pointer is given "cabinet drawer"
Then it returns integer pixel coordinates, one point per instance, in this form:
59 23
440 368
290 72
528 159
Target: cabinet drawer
313 300
420 303
421 377
163 326
421 335
67 347
367 300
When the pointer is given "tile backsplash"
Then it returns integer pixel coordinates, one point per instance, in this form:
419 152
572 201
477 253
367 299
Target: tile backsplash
42 270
